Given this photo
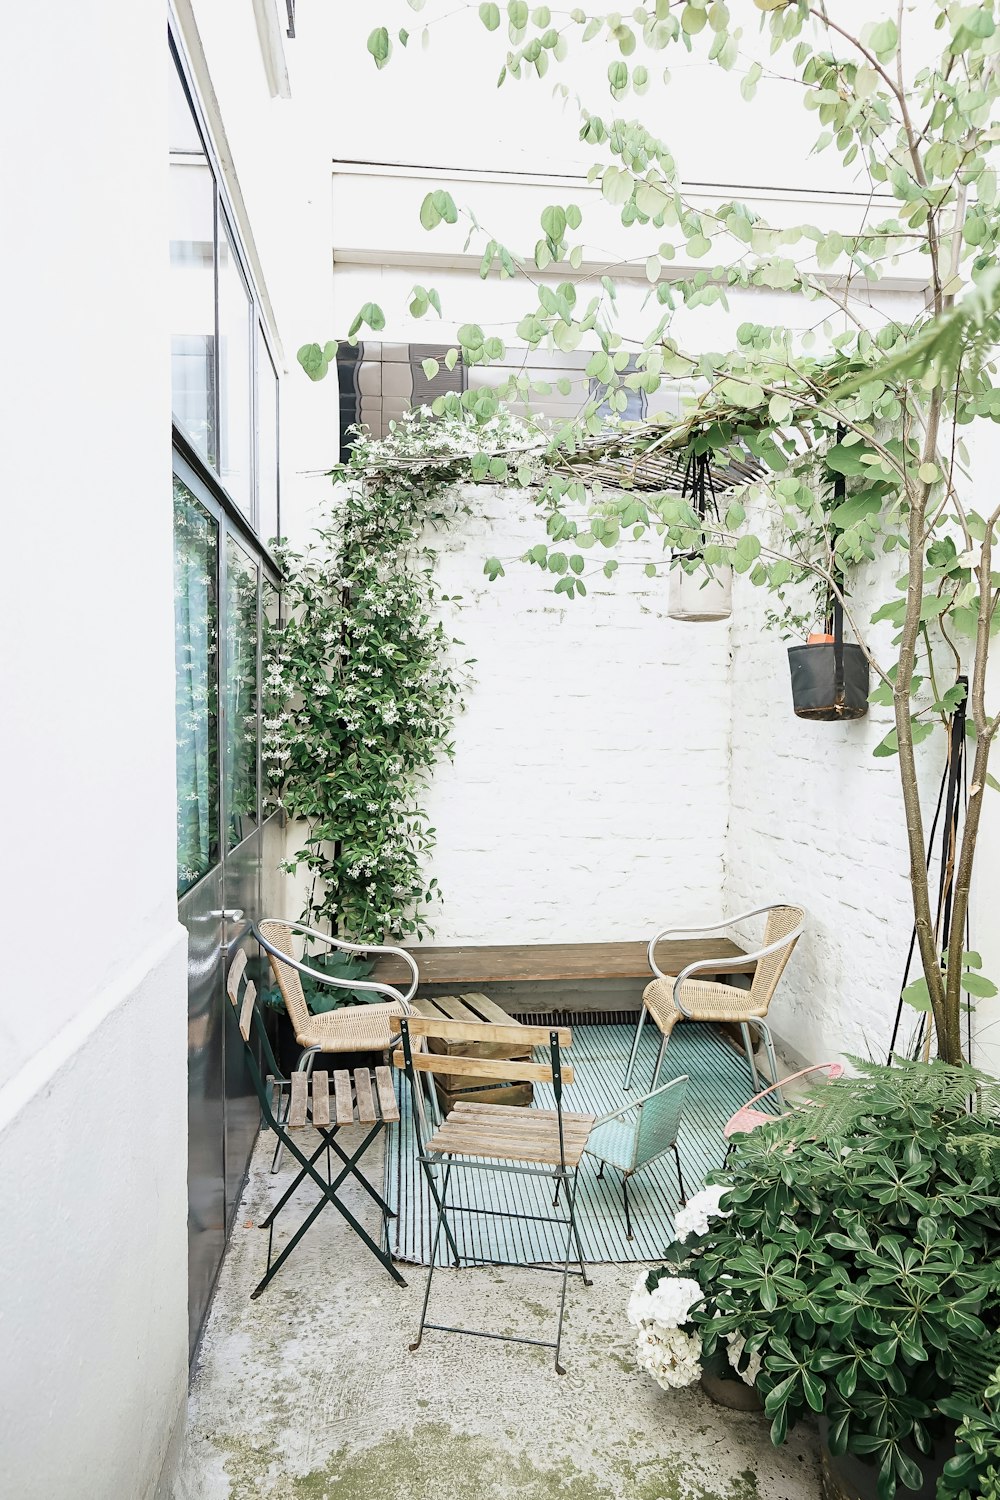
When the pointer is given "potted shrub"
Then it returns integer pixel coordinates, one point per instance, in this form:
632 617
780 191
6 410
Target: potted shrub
853 1254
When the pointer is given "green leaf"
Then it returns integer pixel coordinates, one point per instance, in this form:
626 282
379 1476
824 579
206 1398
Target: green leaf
554 222
429 216
979 985
380 46
316 361
618 77
490 16
493 568
430 368
917 994
748 86
746 553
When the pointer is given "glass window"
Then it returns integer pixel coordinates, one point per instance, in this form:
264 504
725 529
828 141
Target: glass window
267 443
192 278
235 376
239 759
196 614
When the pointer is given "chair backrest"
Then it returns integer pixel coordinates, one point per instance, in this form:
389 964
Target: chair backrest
242 993
782 921
417 1059
288 980
659 1120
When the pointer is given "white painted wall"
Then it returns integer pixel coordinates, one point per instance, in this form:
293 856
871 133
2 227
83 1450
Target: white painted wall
92 1034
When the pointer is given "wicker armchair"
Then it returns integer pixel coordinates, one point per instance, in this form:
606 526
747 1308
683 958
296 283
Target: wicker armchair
685 997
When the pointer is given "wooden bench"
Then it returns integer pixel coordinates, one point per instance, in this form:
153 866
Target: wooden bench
473 1010
572 970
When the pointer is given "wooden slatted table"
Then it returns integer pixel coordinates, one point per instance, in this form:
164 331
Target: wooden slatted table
473 1009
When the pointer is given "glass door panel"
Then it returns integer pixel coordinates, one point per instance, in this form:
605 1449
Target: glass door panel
196 624
241 697
222 597
267 444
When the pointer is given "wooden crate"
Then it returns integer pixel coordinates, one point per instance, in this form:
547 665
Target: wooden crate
453 1089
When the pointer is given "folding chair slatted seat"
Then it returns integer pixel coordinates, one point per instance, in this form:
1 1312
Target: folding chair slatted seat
343 1100
325 1105
496 1138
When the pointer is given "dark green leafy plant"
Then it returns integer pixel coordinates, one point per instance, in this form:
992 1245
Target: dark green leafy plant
859 1259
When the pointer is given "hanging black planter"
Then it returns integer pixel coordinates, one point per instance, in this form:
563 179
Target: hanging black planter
829 676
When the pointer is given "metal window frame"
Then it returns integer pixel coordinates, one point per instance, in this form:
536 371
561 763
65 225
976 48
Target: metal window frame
193 471
224 213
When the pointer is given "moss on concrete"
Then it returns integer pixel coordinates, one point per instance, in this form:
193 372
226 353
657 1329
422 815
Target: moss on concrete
435 1460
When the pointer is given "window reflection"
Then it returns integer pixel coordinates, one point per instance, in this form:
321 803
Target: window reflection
239 766
235 376
196 563
192 277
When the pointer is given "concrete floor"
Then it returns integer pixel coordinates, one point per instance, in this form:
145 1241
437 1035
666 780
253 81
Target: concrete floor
310 1393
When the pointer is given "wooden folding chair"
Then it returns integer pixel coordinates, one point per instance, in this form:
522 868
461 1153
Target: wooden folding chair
497 1138
367 1100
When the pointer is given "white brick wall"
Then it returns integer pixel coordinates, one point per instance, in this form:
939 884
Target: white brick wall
588 796
617 770
816 820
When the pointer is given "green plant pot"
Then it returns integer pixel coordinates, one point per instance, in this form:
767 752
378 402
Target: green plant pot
851 1478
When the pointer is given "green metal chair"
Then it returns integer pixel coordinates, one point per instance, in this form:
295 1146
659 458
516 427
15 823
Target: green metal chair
628 1145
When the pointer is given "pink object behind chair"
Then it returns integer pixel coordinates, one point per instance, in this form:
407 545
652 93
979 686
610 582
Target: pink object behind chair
747 1118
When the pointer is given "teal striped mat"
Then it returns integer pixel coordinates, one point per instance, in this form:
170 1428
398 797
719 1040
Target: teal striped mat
719 1083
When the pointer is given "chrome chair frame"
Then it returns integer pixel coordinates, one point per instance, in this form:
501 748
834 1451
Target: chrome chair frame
307 1057
714 966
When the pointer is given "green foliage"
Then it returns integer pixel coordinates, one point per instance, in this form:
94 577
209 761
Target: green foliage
316 359
366 681
825 396
858 1259
324 997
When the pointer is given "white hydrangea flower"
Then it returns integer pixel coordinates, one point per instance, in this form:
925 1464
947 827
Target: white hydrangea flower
693 1219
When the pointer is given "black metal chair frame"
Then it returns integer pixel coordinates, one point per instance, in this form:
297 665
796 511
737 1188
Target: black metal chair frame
275 1082
432 1164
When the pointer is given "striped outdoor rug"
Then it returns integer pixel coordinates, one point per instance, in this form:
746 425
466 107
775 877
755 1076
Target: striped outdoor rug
719 1083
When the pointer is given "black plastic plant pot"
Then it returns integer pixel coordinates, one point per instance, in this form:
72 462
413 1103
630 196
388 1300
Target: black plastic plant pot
819 691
